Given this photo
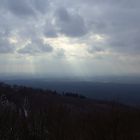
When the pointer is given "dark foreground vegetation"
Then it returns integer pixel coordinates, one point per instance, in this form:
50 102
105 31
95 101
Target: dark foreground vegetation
35 114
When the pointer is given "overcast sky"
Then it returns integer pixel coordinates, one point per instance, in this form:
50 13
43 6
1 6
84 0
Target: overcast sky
70 37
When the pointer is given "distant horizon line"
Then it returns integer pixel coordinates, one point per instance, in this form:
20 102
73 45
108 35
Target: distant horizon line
131 79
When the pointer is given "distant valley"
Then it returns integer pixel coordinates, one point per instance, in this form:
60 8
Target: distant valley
127 93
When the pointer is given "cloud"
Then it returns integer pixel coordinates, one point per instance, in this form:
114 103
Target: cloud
25 8
70 24
60 53
103 27
5 46
36 47
41 5
50 30
95 49
20 8
117 20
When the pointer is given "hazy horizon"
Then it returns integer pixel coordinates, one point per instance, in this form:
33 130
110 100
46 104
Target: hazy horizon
132 79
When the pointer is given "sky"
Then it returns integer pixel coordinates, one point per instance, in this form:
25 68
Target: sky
70 37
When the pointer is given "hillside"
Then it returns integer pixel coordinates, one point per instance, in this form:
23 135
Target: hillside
29 113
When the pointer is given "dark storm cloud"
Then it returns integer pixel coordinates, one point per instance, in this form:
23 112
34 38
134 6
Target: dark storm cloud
70 24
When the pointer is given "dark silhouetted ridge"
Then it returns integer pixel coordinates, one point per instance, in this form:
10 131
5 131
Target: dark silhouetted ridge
34 114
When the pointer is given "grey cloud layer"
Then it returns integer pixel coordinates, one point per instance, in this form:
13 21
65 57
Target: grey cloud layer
118 20
35 47
25 7
6 47
70 24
